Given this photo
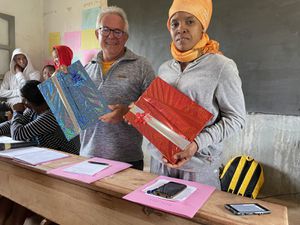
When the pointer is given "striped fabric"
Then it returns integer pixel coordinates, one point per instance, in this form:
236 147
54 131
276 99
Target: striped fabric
42 128
5 128
242 175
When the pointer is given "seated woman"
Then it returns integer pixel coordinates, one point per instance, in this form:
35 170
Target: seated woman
33 120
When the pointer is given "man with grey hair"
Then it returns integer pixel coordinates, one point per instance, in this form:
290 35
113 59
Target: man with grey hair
121 76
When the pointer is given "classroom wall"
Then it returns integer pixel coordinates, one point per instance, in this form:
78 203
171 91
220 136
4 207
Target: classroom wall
273 140
28 26
71 23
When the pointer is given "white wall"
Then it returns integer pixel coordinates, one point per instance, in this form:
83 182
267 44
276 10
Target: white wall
35 19
28 26
65 16
273 140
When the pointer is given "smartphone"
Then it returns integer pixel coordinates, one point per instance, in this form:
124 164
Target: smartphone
168 190
247 209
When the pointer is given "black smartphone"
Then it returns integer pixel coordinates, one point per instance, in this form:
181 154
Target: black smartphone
168 190
247 209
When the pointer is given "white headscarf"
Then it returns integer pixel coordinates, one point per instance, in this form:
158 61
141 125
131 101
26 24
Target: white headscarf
28 69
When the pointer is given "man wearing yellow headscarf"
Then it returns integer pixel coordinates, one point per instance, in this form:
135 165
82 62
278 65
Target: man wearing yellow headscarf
199 70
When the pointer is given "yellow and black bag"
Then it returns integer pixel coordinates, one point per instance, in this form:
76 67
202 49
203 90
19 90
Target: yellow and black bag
242 175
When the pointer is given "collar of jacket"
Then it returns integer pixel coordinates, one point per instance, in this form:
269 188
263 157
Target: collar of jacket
175 64
128 56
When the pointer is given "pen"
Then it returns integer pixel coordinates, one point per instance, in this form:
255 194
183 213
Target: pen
100 163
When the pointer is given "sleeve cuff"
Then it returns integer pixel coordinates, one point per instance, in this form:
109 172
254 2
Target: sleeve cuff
16 113
203 140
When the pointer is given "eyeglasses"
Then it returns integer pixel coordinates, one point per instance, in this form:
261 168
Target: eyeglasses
105 31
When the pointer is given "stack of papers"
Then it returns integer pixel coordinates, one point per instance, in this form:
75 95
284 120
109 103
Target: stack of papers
8 143
5 140
86 168
33 155
90 170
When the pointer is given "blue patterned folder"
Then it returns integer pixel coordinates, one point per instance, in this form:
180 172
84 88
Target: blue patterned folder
74 99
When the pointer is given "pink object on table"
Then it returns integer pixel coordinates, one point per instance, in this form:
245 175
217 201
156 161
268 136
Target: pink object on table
186 208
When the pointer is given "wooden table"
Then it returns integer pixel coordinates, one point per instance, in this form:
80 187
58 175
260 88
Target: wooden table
71 202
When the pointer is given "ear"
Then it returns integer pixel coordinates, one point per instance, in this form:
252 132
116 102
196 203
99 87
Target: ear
126 37
97 34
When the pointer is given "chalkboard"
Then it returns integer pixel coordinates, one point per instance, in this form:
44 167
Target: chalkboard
148 33
261 36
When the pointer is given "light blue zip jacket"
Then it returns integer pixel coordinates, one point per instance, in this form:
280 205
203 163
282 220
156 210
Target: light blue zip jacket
213 82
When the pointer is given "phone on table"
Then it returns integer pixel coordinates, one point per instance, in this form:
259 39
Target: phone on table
247 209
168 190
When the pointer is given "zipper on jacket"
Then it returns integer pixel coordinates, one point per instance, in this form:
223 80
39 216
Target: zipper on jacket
181 73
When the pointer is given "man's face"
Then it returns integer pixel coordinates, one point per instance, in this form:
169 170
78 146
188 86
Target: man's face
110 42
186 31
21 60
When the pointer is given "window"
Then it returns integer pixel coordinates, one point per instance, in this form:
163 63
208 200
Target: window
7 41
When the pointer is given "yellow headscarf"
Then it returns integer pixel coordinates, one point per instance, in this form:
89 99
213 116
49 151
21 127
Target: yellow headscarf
202 10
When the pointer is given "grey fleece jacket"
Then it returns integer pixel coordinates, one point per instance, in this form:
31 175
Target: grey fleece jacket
125 81
214 83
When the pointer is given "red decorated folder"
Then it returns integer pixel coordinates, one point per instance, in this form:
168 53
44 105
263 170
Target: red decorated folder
167 118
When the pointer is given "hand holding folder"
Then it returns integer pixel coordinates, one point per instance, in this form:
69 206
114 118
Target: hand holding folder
167 118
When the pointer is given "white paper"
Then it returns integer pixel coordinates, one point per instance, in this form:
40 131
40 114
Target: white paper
7 140
11 153
38 157
86 168
180 197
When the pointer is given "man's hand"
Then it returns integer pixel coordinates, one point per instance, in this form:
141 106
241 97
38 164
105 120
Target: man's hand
116 116
19 107
18 68
129 107
183 157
